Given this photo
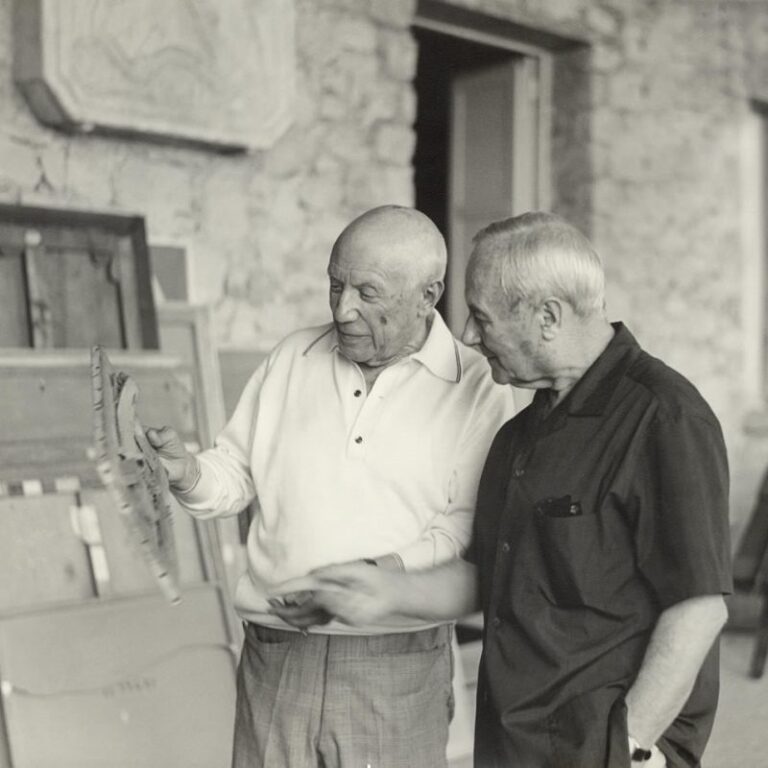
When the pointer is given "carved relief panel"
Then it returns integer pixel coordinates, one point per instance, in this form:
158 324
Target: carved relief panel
217 72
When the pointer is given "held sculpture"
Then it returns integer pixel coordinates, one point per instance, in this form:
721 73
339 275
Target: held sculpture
130 469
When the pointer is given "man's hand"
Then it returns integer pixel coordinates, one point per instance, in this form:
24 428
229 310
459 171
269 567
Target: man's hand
356 593
299 609
178 462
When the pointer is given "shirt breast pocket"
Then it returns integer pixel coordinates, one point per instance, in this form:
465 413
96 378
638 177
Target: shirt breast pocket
570 547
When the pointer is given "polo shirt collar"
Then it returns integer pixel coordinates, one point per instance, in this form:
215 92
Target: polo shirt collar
439 354
592 392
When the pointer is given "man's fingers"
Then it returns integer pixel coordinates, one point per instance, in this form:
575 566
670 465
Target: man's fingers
344 573
291 599
308 614
159 438
300 584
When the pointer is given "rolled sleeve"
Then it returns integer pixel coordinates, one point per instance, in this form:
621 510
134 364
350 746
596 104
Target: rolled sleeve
682 537
226 486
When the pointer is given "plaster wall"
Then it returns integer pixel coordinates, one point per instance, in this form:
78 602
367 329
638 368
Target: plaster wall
659 187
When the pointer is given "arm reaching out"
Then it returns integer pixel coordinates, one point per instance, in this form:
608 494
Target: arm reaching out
361 594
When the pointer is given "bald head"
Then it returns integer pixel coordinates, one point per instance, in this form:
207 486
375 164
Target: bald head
386 275
404 237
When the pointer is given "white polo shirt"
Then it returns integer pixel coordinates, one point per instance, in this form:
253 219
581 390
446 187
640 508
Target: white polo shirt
341 474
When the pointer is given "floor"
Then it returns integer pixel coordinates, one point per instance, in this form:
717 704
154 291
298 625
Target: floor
740 735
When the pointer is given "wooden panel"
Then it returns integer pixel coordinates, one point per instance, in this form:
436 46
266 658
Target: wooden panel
83 299
127 572
41 558
750 564
14 322
38 289
186 331
169 266
237 366
123 683
128 293
107 303
45 408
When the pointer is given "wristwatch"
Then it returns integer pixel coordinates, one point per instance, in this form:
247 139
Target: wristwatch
638 754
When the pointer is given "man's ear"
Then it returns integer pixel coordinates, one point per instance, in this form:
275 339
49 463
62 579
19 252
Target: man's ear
551 318
431 295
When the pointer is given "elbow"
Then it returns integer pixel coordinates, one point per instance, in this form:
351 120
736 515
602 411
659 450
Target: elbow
715 613
706 615
722 614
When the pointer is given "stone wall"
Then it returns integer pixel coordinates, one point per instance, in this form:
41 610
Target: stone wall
259 226
646 159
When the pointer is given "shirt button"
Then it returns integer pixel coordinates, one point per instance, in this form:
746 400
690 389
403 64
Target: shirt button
358 439
505 547
496 621
358 392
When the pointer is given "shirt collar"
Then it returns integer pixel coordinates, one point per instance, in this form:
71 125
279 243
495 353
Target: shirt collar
439 353
592 392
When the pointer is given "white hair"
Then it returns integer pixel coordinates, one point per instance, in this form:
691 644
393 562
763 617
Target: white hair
541 255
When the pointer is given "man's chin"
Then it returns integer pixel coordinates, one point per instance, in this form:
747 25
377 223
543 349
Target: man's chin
356 351
498 374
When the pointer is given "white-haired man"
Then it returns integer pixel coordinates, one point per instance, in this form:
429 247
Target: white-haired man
363 440
600 550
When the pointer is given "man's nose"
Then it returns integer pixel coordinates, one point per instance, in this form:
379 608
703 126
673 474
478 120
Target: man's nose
345 308
470 335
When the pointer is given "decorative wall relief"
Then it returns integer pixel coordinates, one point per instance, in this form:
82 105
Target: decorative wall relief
216 72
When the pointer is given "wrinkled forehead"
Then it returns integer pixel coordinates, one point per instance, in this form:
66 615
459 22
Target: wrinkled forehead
483 276
356 273
392 260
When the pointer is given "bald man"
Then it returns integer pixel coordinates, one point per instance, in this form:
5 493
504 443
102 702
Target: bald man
363 440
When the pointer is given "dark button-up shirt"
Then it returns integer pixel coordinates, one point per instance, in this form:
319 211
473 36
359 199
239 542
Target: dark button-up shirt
593 518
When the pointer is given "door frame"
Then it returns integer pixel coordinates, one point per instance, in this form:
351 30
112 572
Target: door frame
428 18
533 80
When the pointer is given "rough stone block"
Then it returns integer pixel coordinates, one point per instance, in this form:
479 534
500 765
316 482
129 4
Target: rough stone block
357 35
394 143
394 13
382 103
322 192
408 105
606 22
399 52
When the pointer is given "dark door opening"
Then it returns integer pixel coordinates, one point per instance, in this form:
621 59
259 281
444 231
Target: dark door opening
442 60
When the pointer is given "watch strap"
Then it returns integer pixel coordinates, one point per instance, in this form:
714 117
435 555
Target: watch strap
637 753
640 755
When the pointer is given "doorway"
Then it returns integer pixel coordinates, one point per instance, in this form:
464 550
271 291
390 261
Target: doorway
479 146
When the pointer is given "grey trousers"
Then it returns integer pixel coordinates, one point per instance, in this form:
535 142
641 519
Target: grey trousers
341 701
